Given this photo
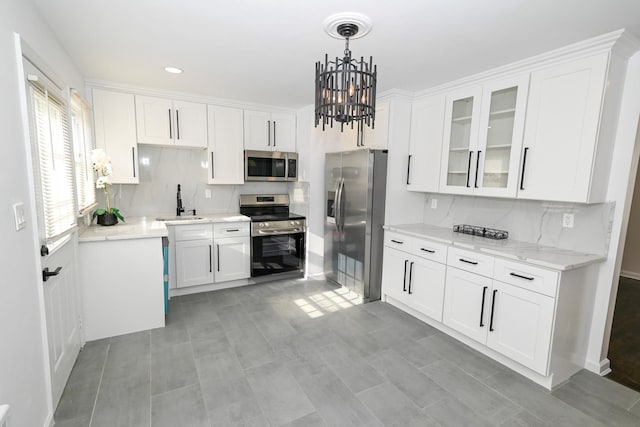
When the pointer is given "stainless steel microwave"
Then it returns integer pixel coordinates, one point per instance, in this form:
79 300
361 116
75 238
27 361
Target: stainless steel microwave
270 166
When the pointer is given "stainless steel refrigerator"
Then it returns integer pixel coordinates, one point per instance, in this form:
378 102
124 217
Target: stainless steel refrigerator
355 187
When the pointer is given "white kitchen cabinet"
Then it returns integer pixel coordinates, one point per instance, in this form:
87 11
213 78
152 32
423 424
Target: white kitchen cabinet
115 126
225 155
413 280
425 144
374 139
483 138
561 135
232 258
269 131
194 262
520 325
167 122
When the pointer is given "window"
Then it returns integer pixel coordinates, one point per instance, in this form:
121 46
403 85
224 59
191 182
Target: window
81 131
53 162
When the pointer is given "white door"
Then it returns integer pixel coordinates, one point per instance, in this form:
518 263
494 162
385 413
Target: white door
425 146
426 287
225 154
155 120
194 263
257 130
563 115
63 319
233 255
190 123
394 274
520 325
283 132
465 302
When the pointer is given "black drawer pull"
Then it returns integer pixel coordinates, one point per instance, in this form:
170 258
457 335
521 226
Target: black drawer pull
520 276
397 241
231 230
493 303
469 262
404 281
484 294
431 251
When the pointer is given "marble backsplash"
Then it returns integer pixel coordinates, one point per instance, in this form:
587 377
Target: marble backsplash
528 220
162 169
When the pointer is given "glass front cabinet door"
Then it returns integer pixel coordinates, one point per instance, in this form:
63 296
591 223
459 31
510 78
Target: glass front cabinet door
485 131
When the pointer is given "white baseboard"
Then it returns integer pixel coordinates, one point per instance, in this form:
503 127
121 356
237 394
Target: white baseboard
601 368
630 274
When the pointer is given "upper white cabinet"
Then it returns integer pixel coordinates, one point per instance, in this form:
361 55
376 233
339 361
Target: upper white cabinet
162 121
375 139
225 153
483 138
115 126
268 131
425 146
560 155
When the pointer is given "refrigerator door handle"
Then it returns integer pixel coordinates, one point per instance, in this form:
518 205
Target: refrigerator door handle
336 204
342 204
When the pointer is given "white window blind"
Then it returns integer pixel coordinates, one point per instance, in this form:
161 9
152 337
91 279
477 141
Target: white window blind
51 141
82 134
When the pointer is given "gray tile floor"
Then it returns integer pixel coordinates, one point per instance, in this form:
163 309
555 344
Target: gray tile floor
301 353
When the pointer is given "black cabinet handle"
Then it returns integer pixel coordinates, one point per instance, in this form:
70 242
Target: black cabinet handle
397 241
477 166
170 131
274 133
212 167
218 256
428 250
410 276
524 164
484 294
521 276
493 303
269 133
133 160
46 273
231 230
210 260
404 281
409 169
468 262
177 124
469 167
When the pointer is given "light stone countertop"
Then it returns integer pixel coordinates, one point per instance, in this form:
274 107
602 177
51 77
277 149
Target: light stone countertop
149 227
543 256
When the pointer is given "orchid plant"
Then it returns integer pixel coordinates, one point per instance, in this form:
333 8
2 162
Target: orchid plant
102 167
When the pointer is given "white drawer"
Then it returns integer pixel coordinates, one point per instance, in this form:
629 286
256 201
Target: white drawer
430 250
193 232
470 261
231 229
398 241
526 276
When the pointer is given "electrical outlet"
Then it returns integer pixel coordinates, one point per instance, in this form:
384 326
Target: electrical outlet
567 220
434 203
207 193
19 216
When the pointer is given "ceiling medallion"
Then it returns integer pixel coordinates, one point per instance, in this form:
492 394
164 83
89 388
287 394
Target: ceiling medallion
345 88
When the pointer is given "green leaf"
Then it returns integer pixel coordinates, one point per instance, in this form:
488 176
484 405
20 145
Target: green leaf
117 213
99 212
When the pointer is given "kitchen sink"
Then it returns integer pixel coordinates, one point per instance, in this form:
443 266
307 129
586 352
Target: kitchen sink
179 218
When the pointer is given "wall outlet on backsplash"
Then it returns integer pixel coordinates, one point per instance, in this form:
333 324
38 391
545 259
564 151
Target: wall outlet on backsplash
207 193
434 203
567 220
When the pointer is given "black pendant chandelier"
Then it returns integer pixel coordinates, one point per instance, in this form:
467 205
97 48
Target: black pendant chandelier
346 87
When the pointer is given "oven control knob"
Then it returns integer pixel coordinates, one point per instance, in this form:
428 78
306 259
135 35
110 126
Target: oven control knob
262 224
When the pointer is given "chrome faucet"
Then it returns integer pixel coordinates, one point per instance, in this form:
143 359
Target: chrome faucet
179 208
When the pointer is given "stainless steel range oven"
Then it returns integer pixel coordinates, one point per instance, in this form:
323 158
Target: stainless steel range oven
277 236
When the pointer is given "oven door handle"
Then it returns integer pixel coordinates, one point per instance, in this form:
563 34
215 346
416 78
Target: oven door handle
281 231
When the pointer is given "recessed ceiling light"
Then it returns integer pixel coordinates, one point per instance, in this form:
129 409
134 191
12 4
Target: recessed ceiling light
173 70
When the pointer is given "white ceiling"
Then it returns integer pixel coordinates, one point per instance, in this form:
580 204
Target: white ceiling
264 51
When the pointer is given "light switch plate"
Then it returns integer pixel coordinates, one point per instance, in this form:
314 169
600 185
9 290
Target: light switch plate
207 193
19 216
434 203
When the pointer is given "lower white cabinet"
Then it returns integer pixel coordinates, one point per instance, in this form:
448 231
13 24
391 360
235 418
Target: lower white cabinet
209 253
465 300
412 280
194 263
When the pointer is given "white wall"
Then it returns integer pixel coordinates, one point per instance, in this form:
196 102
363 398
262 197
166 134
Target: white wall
631 257
22 355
